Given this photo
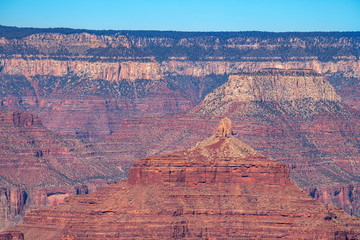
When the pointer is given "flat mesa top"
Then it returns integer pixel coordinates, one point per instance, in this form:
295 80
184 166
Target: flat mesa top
281 72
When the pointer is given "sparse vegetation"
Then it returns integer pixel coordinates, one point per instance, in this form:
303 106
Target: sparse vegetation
194 46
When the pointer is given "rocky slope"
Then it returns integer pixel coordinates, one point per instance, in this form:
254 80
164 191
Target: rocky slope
221 188
267 85
60 91
67 104
347 88
88 84
307 128
60 74
166 45
40 168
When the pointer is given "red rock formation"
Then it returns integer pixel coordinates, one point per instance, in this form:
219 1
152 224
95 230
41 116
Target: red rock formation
11 236
317 139
221 188
265 86
351 97
127 56
65 81
66 109
12 205
345 196
117 90
39 168
132 70
348 88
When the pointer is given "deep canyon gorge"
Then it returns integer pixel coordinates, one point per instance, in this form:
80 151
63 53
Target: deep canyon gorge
79 107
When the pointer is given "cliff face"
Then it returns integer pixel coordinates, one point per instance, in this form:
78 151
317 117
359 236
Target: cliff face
12 205
122 85
153 70
221 188
39 168
60 74
60 91
165 45
308 129
268 85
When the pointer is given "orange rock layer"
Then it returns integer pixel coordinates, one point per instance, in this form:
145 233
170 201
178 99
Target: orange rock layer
153 70
221 188
293 116
39 168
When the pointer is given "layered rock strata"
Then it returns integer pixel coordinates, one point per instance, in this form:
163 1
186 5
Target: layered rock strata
221 188
84 84
59 90
153 70
60 101
113 45
40 168
298 119
268 85
127 74
129 62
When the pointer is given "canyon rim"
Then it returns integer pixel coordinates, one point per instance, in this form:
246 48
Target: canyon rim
78 107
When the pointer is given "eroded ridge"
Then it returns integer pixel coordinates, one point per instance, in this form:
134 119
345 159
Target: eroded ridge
221 188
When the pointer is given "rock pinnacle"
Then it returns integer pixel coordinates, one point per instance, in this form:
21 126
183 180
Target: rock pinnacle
224 129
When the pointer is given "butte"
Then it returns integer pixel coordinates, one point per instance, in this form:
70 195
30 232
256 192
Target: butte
219 189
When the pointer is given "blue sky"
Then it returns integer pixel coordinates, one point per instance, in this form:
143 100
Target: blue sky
185 15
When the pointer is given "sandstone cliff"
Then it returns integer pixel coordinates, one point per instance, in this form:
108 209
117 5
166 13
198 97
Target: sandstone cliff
153 70
268 85
88 84
59 91
221 188
39 168
308 129
182 65
167 45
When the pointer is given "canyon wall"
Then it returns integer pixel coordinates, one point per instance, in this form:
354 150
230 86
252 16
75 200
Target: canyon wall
121 89
298 119
153 70
165 44
64 73
40 168
220 188
60 91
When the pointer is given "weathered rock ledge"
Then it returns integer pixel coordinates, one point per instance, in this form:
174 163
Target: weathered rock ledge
195 194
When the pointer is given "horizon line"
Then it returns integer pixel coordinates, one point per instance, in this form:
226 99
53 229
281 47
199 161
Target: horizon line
180 31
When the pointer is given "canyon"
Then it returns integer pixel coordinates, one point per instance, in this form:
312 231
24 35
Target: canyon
40 168
58 74
221 188
306 128
100 100
60 90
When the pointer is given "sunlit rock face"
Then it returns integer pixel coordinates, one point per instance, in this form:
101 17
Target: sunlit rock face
61 75
268 85
40 168
89 84
293 116
221 188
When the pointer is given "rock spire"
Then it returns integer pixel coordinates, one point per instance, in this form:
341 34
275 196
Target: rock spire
225 128
220 189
